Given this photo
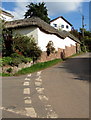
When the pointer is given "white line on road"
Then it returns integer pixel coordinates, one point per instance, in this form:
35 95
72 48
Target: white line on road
26 91
40 90
29 75
31 112
19 112
38 79
38 84
38 73
27 100
26 84
43 98
27 79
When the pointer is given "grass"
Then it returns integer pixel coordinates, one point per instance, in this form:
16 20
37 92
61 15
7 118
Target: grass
5 74
38 66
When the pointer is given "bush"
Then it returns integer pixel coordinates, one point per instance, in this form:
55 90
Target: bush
16 61
50 48
9 70
6 61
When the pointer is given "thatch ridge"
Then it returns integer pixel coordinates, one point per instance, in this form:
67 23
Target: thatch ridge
36 21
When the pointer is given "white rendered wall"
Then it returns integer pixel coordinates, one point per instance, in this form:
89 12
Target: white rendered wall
29 31
60 22
68 42
44 38
6 18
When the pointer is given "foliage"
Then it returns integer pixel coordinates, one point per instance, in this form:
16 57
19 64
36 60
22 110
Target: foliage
14 60
26 46
6 61
5 39
38 66
35 51
9 70
50 48
38 10
85 41
21 44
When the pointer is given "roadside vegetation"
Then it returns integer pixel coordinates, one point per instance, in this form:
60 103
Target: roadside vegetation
38 66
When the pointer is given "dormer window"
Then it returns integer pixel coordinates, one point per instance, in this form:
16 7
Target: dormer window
55 25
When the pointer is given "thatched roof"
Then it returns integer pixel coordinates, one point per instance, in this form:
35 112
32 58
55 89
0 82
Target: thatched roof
6 13
36 21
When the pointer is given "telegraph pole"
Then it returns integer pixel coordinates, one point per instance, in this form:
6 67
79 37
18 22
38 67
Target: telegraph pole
83 26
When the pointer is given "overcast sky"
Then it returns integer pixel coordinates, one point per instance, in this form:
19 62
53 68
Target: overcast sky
72 10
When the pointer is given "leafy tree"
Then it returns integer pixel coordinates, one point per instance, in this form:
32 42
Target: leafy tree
37 10
86 40
5 39
50 48
26 46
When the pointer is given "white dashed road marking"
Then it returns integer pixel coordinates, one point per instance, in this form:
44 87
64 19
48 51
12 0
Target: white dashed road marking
40 90
27 79
38 73
28 101
26 84
31 112
38 83
29 75
26 91
19 112
43 98
38 79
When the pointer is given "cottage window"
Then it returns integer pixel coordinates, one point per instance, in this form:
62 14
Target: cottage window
62 26
67 26
55 25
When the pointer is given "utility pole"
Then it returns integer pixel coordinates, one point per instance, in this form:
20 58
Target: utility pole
83 26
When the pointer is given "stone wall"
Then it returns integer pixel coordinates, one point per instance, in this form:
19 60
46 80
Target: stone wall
70 51
61 53
16 68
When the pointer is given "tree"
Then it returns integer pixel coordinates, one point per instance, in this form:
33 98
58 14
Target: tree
37 10
85 41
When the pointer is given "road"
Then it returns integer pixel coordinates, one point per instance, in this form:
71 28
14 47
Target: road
61 91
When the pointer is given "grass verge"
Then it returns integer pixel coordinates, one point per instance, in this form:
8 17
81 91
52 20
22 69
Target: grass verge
38 66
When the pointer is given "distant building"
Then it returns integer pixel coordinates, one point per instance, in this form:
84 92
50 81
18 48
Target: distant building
6 16
61 23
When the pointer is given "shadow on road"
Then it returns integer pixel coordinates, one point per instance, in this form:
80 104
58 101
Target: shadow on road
80 67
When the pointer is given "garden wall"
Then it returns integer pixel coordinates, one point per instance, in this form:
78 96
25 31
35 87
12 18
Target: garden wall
68 51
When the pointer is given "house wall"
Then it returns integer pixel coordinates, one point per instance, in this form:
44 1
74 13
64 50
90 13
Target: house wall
44 38
67 45
59 23
5 17
28 31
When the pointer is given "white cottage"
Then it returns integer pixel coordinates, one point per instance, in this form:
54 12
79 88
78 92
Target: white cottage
43 33
61 23
6 16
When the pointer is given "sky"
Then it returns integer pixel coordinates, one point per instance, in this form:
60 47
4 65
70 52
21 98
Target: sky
72 10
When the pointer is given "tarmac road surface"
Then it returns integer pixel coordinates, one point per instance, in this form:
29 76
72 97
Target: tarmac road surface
61 91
